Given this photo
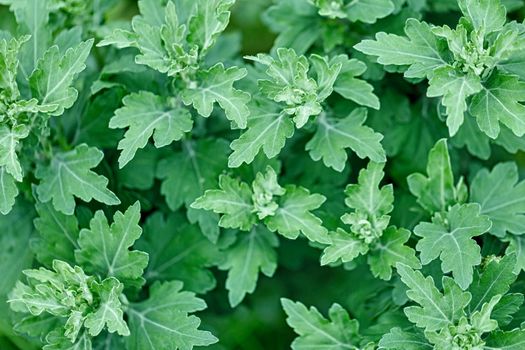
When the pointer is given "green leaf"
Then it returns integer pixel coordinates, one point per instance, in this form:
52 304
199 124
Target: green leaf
196 172
437 192
252 252
233 201
455 89
9 141
316 332
370 204
477 143
333 136
69 176
8 192
368 11
500 196
17 230
420 49
162 320
450 239
481 320
290 84
216 85
351 88
57 341
517 247
294 215
139 174
32 17
367 221
58 235
390 250
9 64
178 251
187 173
105 250
495 279
146 114
343 246
327 72
267 129
210 20
400 339
299 31
499 102
52 79
266 191
437 310
109 314
500 340
77 301
487 14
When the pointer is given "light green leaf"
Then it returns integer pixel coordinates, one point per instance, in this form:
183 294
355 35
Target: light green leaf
162 321
481 320
216 85
74 298
267 129
8 191
210 19
398 339
327 72
501 197
437 192
252 252
294 215
266 191
351 88
370 204
69 176
108 314
437 310
333 136
499 102
52 79
367 196
9 144
9 65
233 201
420 49
105 250
390 250
455 89
357 90
57 341
290 85
368 11
146 114
32 17
339 332
450 239
487 14
343 246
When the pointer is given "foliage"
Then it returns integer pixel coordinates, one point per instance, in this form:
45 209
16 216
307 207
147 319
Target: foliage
178 174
